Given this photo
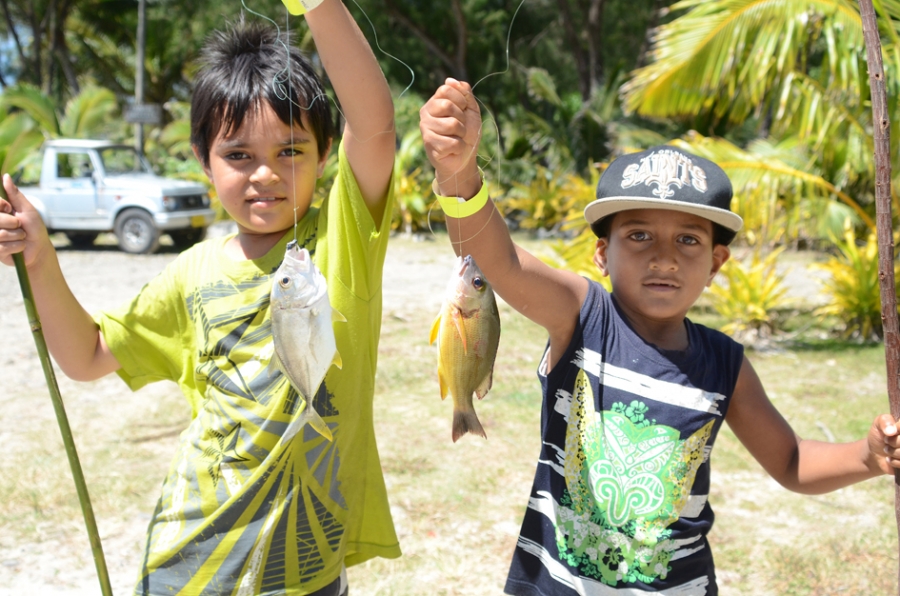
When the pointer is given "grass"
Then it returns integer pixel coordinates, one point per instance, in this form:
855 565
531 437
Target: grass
457 507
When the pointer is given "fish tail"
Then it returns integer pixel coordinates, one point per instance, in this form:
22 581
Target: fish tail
466 421
311 417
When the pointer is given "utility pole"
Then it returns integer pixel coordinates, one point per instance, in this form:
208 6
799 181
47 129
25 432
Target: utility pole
139 74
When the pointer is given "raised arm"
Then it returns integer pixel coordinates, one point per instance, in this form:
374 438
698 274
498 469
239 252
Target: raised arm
451 127
73 338
365 99
802 465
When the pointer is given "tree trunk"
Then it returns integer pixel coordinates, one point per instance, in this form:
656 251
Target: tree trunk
883 220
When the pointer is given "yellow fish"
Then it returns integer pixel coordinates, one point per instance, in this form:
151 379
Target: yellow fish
467 332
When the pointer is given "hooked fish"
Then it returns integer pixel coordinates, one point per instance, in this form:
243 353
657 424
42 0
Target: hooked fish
467 332
305 347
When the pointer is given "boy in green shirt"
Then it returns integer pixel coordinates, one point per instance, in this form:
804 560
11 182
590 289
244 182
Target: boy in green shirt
241 513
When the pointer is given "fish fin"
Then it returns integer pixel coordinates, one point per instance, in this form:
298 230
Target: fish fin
466 422
443 385
460 328
485 385
435 329
338 361
337 317
311 417
275 365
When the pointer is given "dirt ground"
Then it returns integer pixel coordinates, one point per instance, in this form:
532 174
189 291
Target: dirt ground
59 561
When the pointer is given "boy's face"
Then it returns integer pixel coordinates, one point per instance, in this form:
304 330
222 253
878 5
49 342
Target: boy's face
659 261
265 170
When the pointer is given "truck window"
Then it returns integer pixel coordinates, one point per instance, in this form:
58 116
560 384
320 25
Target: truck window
122 160
73 165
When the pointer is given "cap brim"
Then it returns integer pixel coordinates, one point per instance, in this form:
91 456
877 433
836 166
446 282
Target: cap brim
601 208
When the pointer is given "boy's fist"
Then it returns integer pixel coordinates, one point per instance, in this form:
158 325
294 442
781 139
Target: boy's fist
21 228
450 123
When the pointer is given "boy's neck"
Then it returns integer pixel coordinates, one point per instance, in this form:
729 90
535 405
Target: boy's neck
668 334
247 246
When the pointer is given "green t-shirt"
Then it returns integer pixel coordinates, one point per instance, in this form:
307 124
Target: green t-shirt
241 513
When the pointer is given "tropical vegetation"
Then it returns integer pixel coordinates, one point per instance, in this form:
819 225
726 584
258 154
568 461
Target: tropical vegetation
775 92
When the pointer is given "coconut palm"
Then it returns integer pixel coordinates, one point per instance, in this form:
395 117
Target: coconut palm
35 116
795 70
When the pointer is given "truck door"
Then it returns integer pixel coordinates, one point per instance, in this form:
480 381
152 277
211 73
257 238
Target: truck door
73 200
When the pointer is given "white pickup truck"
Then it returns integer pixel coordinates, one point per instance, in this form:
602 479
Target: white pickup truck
88 187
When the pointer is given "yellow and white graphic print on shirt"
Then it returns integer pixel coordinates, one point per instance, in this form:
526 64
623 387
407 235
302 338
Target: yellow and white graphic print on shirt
627 480
237 472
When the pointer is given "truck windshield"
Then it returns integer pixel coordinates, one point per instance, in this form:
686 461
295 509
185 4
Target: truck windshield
123 160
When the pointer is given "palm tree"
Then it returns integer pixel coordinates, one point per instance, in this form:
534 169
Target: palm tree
791 70
34 115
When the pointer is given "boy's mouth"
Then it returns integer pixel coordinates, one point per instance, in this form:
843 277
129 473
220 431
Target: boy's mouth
661 283
264 199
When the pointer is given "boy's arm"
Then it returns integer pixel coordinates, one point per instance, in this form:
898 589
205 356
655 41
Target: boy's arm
806 466
71 334
365 99
451 127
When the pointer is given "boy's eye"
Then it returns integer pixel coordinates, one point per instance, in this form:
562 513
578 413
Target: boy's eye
689 240
235 155
292 152
639 236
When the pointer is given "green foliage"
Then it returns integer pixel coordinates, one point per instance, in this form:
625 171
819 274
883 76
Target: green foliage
753 297
411 188
546 201
853 287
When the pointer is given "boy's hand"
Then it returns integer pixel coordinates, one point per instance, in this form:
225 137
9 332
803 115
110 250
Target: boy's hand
884 444
450 123
21 228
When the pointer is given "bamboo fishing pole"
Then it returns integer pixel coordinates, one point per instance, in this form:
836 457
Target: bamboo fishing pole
883 221
63 421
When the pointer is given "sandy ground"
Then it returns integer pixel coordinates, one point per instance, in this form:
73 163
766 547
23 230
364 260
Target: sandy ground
103 277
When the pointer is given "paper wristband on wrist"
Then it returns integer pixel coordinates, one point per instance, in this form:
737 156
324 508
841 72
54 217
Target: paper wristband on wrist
458 207
298 7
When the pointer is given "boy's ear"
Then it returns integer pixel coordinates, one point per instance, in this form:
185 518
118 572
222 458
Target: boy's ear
320 169
203 164
721 254
600 256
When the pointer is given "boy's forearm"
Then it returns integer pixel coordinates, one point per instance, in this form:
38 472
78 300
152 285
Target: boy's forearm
824 467
354 72
72 336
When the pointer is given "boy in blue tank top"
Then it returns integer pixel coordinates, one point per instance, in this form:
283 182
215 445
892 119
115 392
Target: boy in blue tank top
634 392
247 507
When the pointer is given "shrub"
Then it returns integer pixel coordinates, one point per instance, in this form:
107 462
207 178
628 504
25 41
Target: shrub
754 297
853 289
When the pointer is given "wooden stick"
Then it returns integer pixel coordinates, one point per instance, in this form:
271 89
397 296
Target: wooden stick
883 221
80 486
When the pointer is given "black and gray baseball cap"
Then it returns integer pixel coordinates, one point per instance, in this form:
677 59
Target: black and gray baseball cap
665 177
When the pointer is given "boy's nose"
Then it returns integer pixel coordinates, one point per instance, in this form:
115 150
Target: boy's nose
263 174
662 260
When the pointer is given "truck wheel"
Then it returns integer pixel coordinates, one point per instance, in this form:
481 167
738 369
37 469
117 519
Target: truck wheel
186 238
81 239
136 232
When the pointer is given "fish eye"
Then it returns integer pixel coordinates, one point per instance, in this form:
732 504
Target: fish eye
478 283
285 281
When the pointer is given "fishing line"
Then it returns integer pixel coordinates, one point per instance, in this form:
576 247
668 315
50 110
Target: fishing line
282 93
489 117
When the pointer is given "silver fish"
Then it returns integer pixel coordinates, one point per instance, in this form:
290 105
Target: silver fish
304 341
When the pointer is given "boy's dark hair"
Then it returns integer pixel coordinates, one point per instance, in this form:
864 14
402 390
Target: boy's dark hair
721 234
244 65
